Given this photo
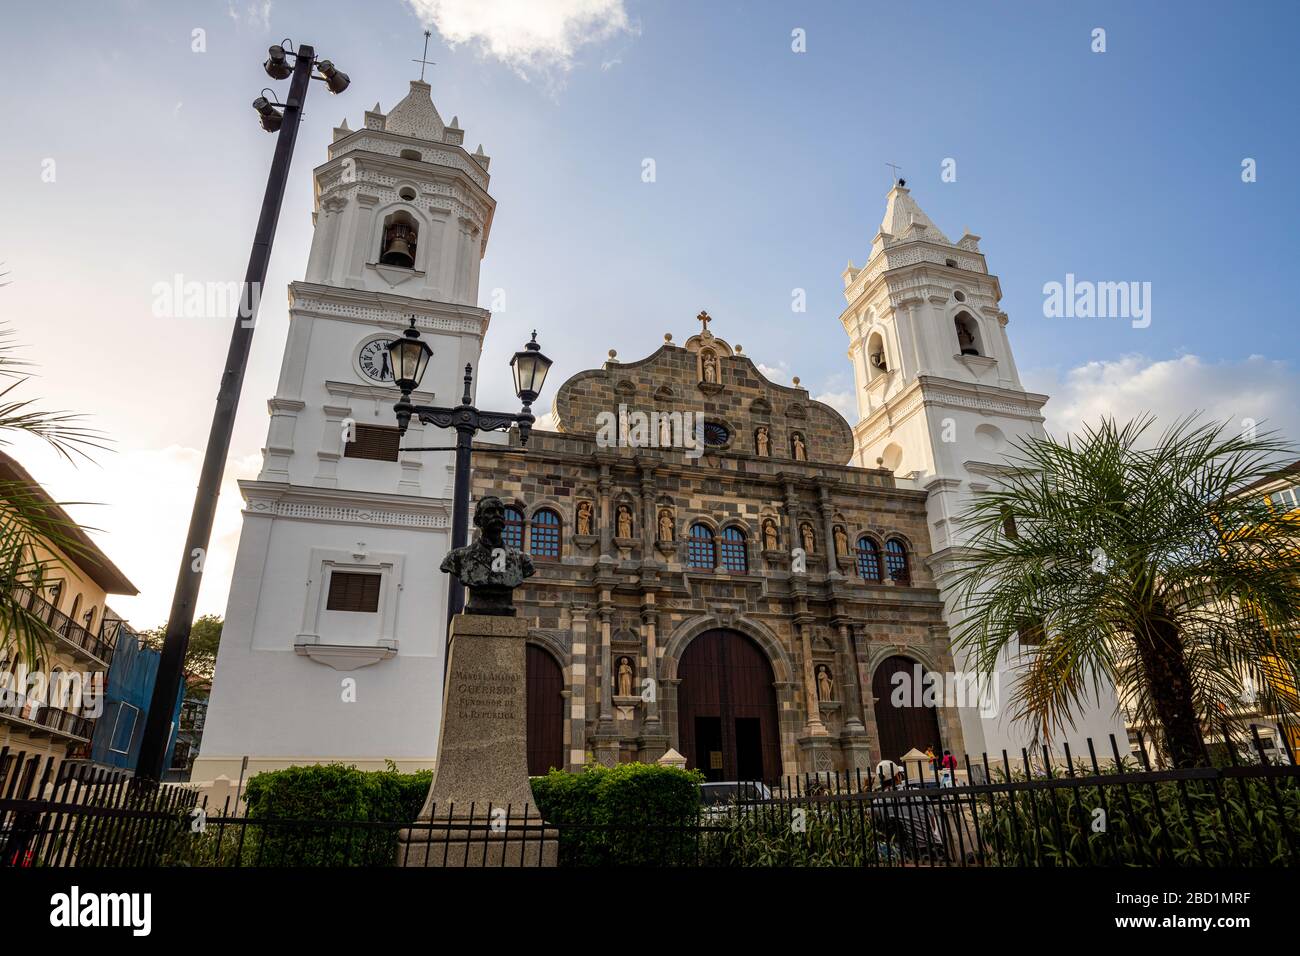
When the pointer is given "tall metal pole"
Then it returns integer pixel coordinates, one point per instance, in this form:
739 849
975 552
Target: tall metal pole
460 505
158 724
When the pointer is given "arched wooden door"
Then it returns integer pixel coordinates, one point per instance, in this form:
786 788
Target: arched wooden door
726 709
545 712
911 724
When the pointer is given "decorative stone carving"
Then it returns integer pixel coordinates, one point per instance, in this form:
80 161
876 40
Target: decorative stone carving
665 525
763 441
799 448
625 677
624 521
841 541
807 536
709 366
825 683
770 542
584 517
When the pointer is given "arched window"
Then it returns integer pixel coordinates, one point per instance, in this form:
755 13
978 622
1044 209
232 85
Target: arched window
733 550
896 561
544 541
398 244
868 558
90 619
877 361
700 549
968 334
513 533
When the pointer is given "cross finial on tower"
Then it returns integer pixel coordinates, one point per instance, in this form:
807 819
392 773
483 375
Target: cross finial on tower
895 167
704 320
423 61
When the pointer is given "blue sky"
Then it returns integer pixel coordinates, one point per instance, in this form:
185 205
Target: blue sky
770 175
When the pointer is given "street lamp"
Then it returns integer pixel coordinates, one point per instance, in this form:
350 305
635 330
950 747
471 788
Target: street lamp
167 686
408 357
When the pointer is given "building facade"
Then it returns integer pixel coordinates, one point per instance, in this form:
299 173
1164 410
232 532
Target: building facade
50 703
726 586
331 648
940 404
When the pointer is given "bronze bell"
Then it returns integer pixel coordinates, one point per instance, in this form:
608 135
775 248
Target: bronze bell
399 246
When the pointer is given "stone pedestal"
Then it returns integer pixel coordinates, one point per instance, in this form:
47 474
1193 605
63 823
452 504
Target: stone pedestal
482 757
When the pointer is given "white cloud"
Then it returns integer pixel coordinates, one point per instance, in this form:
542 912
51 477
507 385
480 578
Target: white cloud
257 13
842 402
1257 388
532 37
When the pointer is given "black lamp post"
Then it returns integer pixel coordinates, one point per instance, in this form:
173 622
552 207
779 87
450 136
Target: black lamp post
408 358
158 723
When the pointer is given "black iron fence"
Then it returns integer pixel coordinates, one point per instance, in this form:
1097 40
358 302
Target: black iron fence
1034 811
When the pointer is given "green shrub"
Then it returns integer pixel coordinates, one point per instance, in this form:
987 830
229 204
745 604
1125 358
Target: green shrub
1215 822
643 814
823 835
307 798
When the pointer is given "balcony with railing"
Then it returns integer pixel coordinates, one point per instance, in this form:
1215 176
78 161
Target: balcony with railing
37 718
97 647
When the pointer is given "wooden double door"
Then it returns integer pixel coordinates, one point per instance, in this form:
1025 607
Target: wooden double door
726 709
903 721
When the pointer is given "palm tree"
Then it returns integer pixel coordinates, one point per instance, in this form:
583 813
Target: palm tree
1119 557
32 528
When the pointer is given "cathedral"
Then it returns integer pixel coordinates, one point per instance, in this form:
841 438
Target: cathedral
747 592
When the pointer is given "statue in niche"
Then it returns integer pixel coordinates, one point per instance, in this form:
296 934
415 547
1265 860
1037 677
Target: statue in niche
769 535
762 441
710 367
624 683
800 450
584 517
841 541
489 567
665 432
806 534
665 525
825 684
624 521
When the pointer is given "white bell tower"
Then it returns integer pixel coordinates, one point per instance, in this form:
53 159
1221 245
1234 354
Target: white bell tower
939 404
333 640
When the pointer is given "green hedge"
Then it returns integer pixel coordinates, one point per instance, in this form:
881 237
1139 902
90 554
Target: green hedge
645 813
331 793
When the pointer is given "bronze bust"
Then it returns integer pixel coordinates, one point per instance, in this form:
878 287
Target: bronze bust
488 567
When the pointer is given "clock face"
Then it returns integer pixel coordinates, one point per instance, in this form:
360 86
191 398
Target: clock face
372 360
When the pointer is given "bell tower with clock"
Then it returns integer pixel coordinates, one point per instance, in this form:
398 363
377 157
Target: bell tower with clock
332 644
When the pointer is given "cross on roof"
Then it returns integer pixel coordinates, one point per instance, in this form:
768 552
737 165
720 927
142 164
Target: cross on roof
704 320
422 61
895 167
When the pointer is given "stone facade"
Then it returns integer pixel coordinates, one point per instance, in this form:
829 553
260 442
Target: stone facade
631 591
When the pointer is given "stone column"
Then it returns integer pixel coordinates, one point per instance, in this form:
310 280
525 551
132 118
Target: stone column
849 681
814 726
827 508
792 517
654 741
606 516
576 758
649 521
605 742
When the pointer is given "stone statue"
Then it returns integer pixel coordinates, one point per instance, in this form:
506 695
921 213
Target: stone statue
624 677
762 441
624 521
710 367
665 432
665 525
825 685
841 541
800 451
584 517
806 533
489 567
769 535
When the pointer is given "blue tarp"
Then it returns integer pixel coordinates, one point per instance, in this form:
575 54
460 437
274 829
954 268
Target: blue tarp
127 692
